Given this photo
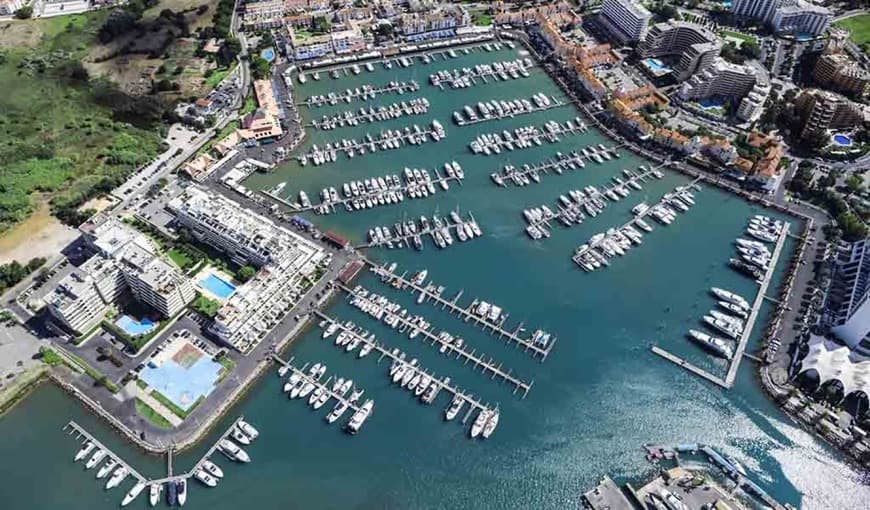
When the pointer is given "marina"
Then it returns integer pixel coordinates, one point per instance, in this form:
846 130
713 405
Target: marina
431 390
602 247
305 381
540 343
390 139
530 136
497 110
383 310
740 351
481 74
411 233
363 93
205 470
582 203
417 106
531 173
385 190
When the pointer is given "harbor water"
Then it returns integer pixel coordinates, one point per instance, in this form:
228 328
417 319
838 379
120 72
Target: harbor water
597 398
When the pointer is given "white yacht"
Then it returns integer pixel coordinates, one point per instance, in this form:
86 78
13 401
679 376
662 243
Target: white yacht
233 451
154 492
248 430
332 328
292 381
359 417
455 406
95 458
117 477
107 468
715 345
212 469
206 478
86 449
491 424
730 297
240 437
479 422
133 493
181 491
336 412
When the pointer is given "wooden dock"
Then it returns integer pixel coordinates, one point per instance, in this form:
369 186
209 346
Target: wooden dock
74 429
466 313
756 307
486 365
443 382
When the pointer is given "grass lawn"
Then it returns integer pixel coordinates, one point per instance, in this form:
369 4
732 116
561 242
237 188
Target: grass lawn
151 415
859 26
738 35
249 106
177 411
228 365
181 258
217 76
481 19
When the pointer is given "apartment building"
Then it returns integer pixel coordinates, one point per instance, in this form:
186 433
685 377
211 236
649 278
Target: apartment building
789 16
693 46
125 261
437 23
840 73
721 79
626 20
348 41
8 7
848 301
752 105
820 110
285 259
306 47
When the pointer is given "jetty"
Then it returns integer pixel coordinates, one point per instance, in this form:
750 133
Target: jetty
482 73
317 384
418 106
405 238
525 137
466 313
461 121
739 353
396 194
82 436
450 348
362 93
443 382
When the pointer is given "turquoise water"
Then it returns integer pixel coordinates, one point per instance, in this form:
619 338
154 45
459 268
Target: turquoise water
217 286
842 140
599 396
135 327
268 54
655 64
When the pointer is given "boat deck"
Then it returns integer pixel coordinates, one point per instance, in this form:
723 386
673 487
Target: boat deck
486 365
442 381
452 305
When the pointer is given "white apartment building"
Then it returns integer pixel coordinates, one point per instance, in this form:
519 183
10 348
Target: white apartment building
722 79
848 301
285 259
752 106
696 47
8 7
801 18
125 260
625 19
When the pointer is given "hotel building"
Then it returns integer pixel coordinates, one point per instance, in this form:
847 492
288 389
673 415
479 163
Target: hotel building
848 301
721 79
820 110
626 20
697 47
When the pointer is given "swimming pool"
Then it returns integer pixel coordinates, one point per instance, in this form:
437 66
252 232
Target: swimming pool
709 103
842 140
268 54
217 286
133 327
656 66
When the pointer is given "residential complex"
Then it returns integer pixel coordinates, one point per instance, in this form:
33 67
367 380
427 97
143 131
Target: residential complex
626 20
286 261
8 7
820 110
786 16
693 47
125 260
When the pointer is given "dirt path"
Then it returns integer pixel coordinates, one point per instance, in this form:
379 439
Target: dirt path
40 235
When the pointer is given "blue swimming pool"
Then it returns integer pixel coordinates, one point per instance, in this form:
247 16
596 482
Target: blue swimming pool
268 54
710 103
135 327
842 140
217 286
656 65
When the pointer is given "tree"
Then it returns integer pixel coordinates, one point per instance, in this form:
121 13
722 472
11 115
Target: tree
855 183
320 25
25 12
260 67
245 273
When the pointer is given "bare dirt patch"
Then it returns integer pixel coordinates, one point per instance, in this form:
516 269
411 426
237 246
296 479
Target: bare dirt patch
40 235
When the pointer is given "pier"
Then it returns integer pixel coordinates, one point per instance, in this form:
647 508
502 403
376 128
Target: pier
330 206
508 114
443 382
525 137
317 384
756 306
739 352
558 163
482 73
403 239
486 365
598 195
74 429
496 329
389 140
362 93
417 106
